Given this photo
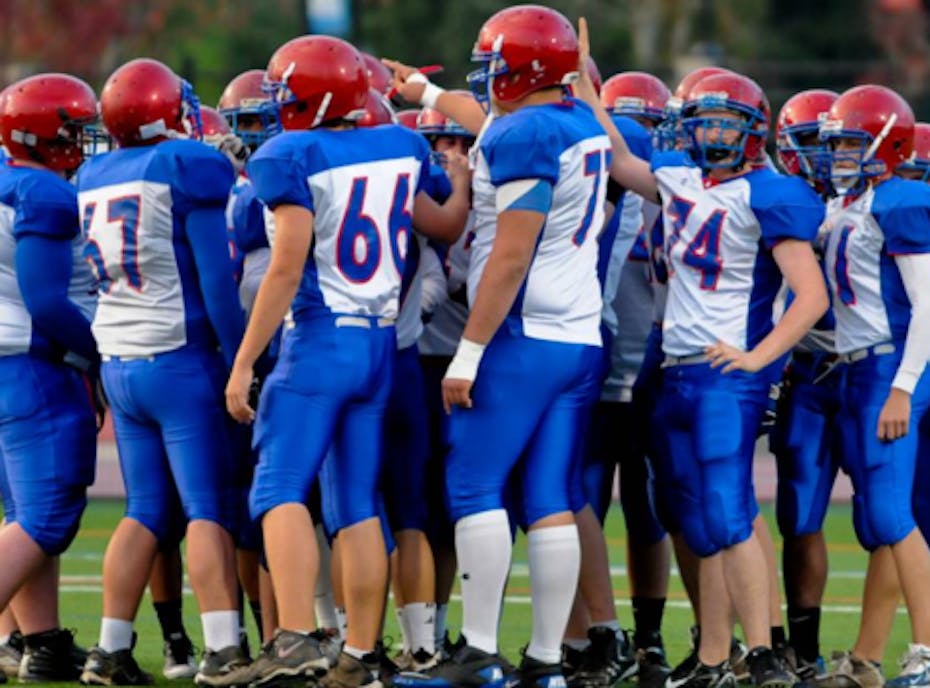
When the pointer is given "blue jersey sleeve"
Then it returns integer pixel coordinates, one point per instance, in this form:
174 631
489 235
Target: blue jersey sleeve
521 148
437 185
248 217
46 205
638 138
200 176
902 210
278 170
786 207
660 159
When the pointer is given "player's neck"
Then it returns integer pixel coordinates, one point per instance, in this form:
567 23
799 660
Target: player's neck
546 96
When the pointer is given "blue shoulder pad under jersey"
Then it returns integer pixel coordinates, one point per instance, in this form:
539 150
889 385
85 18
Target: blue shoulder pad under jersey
278 169
527 144
200 176
638 138
248 219
660 159
437 185
45 204
786 207
902 209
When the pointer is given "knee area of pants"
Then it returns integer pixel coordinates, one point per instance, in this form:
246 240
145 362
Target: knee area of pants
52 540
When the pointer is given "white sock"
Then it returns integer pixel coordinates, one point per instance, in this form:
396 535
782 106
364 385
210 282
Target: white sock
355 652
580 644
342 621
483 547
324 604
554 556
420 618
4 639
612 624
404 629
220 629
115 634
442 610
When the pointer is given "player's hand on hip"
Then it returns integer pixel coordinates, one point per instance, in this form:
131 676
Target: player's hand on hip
411 92
731 358
894 419
237 394
456 392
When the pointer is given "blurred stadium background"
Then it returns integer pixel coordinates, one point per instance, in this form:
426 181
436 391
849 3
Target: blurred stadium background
786 45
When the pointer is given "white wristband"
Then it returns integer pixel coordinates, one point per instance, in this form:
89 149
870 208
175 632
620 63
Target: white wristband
431 91
464 365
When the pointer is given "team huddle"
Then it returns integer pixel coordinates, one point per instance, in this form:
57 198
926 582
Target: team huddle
347 349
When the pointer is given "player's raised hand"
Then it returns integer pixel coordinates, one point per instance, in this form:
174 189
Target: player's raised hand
731 358
584 87
895 416
237 394
409 91
457 167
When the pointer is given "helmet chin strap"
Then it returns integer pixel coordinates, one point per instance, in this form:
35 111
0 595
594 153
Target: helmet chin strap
870 151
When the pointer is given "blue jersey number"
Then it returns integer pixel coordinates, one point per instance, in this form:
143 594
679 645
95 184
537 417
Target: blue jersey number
844 290
703 252
594 165
124 210
358 244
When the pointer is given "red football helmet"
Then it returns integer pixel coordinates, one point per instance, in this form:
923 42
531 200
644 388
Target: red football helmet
243 91
918 165
735 93
245 102
318 79
524 48
213 124
379 76
880 118
43 118
683 90
635 94
408 118
377 110
796 129
432 122
145 102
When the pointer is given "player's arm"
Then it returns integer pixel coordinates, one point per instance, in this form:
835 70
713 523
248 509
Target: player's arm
434 283
209 242
43 272
798 265
293 235
445 222
416 88
895 416
626 169
522 209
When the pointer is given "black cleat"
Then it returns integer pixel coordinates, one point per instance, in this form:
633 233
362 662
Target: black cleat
180 661
571 660
289 656
766 670
114 669
227 667
653 667
51 656
11 655
469 667
535 674
703 676
351 672
608 660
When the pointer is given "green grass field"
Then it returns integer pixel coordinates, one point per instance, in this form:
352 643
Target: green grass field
81 604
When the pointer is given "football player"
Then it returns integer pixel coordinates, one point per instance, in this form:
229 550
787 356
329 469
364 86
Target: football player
806 437
535 305
355 194
732 232
167 325
878 263
47 354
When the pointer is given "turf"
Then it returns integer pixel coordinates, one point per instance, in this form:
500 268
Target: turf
81 603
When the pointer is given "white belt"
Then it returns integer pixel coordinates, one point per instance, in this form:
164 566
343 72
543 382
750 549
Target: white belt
860 354
107 358
358 321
